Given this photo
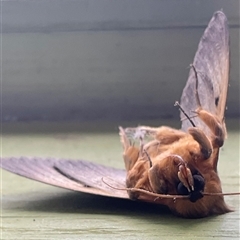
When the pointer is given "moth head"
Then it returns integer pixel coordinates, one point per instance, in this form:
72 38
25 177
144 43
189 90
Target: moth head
196 194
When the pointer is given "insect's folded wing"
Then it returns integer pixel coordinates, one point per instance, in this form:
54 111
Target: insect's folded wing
92 175
212 65
77 175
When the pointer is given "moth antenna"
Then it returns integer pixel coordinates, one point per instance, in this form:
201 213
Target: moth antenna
173 196
196 86
182 110
221 194
156 195
182 119
149 159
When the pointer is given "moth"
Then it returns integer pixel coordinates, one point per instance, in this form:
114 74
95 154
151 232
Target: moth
176 168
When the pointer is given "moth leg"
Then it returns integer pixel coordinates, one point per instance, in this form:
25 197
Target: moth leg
209 119
166 173
130 152
137 177
168 135
202 139
185 176
215 125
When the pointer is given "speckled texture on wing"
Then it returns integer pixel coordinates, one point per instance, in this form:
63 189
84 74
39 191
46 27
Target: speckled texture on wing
212 64
77 175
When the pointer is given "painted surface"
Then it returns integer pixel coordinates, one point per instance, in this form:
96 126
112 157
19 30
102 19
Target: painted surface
32 210
115 60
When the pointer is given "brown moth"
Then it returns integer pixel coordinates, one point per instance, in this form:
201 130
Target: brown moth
185 161
176 168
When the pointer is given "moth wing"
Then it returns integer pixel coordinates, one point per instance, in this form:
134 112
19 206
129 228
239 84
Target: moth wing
212 64
77 175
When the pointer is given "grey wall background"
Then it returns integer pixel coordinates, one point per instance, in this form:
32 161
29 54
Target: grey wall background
104 59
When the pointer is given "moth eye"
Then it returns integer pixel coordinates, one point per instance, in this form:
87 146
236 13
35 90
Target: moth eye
194 196
216 101
199 184
181 189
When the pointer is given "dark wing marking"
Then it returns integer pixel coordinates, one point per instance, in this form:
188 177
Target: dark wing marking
91 174
212 64
77 175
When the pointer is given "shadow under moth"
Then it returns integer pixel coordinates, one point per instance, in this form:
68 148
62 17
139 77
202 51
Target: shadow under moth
176 168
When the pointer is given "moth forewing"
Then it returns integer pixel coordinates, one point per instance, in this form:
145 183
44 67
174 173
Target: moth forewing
211 62
76 175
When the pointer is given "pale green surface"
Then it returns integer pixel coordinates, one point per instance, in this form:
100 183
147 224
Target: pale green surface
33 210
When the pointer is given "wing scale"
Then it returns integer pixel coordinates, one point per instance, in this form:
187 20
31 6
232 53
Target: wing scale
77 175
212 64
